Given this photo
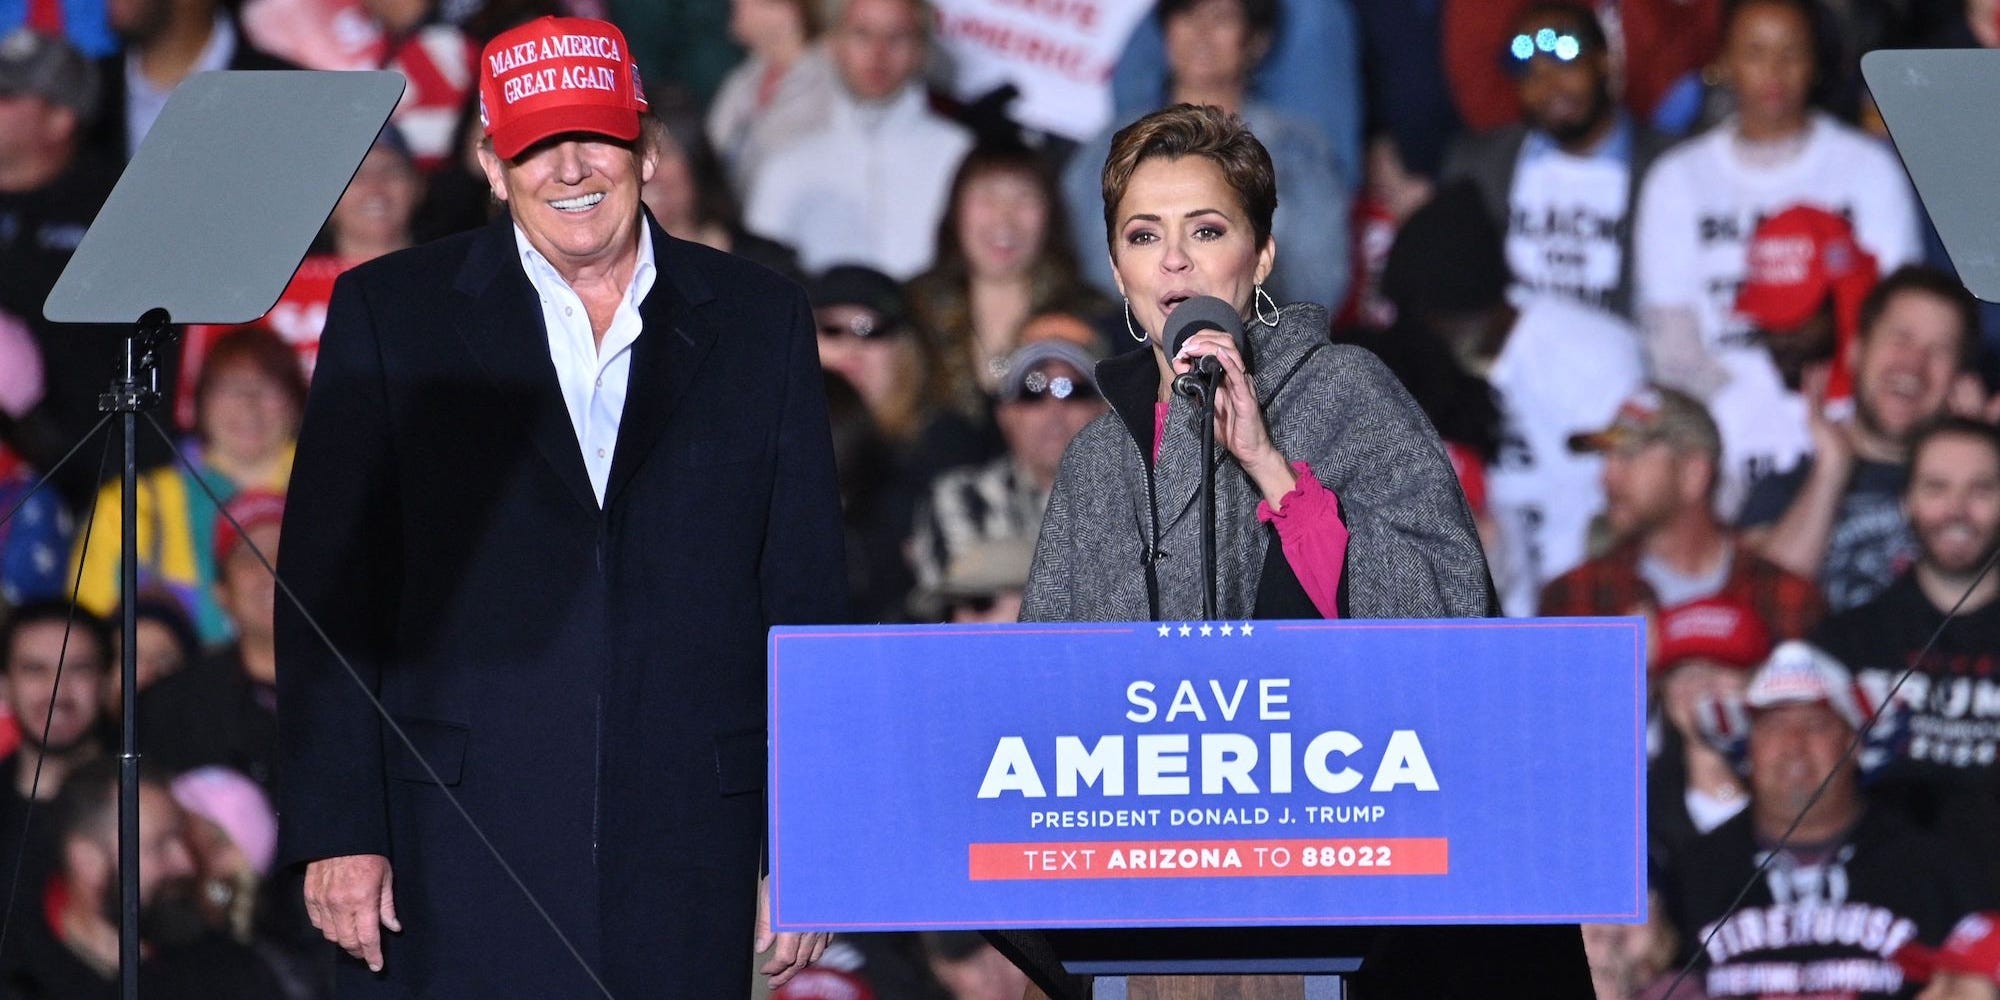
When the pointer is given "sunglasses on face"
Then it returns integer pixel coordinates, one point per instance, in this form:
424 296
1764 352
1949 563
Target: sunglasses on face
868 327
1522 49
1040 387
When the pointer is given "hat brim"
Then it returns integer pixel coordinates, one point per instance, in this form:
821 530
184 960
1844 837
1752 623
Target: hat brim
517 136
1773 311
1608 439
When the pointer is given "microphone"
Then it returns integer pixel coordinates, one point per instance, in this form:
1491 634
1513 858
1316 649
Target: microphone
1203 312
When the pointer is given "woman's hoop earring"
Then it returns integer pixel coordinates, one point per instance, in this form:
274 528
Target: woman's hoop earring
1258 299
1136 333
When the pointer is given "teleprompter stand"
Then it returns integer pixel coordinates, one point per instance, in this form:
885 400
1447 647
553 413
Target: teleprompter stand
206 225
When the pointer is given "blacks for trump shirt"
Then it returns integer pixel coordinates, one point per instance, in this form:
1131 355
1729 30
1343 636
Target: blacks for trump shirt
1566 219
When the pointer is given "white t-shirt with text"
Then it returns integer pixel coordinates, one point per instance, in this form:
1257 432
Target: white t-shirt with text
1697 210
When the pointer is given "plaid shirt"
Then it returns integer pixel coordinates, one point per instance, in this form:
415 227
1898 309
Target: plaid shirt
1789 604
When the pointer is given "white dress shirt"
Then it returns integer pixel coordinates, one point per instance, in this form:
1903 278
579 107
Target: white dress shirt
593 377
868 188
144 102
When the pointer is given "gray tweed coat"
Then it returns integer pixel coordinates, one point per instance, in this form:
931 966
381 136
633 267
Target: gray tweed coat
1412 553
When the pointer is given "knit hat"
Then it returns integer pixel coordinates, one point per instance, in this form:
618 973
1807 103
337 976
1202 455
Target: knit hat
555 75
50 68
234 803
1449 257
21 386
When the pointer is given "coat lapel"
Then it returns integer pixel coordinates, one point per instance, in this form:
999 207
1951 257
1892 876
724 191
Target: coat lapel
674 338
500 322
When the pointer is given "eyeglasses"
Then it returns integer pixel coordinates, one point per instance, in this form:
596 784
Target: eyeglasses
1040 387
1562 46
861 326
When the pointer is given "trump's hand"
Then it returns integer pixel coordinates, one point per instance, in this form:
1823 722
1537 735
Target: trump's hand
793 952
350 899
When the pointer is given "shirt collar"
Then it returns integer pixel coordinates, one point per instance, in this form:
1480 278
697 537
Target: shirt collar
541 272
905 105
221 48
1615 147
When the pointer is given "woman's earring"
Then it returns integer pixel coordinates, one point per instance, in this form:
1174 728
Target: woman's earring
1258 299
1136 333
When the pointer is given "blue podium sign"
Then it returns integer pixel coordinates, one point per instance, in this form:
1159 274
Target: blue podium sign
1207 774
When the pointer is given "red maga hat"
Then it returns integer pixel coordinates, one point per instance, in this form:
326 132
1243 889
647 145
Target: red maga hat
1800 260
555 75
1972 949
1716 629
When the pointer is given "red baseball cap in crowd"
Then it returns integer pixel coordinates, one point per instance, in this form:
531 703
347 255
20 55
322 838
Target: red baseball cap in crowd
252 509
1972 949
1717 629
555 75
1798 260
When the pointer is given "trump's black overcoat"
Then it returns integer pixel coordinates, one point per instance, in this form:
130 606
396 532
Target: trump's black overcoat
589 682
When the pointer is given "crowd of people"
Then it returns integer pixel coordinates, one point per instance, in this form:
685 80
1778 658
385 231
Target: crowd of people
1650 268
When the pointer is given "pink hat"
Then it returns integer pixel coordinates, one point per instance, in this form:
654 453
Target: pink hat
234 803
555 75
20 367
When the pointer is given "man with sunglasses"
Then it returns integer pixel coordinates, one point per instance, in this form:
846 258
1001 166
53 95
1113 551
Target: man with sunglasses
1047 395
1561 184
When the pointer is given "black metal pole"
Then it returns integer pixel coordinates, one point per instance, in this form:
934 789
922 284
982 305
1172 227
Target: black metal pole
134 390
1208 605
128 761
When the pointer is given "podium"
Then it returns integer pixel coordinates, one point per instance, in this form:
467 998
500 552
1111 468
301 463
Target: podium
1360 809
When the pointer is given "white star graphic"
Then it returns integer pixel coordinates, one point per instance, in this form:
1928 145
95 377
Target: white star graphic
1164 629
1246 628
1206 629
1185 631
1228 629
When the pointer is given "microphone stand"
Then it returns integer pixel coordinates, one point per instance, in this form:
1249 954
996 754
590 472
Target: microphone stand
1201 388
134 390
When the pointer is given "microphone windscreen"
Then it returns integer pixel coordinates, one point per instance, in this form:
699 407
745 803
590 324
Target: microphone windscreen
1203 312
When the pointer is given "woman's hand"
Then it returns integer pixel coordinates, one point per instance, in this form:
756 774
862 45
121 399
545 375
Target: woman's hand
1239 423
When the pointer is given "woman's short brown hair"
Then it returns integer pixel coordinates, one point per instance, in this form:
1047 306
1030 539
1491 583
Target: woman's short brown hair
259 349
1194 130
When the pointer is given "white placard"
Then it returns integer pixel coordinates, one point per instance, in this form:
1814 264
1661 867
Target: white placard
1058 52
